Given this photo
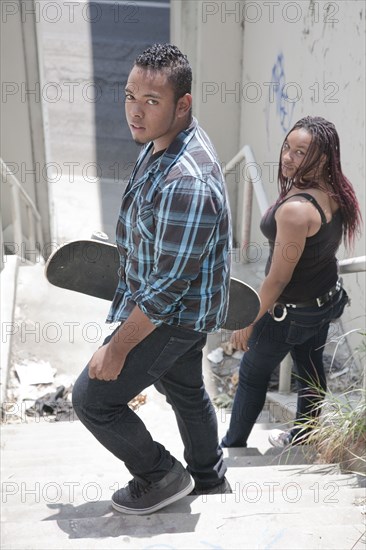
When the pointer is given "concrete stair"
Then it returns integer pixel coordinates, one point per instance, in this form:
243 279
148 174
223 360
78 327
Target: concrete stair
57 482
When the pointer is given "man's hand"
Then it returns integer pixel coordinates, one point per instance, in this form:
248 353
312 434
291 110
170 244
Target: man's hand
239 338
106 365
108 361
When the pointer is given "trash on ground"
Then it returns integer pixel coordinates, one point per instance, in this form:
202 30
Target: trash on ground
35 390
223 400
57 404
35 372
216 355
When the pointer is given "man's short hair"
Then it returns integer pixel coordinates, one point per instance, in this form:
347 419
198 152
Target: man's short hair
168 58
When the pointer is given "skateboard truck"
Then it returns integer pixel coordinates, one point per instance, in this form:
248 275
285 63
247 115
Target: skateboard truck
99 236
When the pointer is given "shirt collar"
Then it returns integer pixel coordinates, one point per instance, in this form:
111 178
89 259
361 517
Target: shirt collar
172 153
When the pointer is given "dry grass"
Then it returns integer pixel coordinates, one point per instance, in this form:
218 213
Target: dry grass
340 434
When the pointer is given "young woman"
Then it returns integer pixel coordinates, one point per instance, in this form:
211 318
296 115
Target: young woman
301 292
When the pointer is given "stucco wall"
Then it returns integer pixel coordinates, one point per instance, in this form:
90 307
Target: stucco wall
215 58
16 132
291 59
320 62
23 146
320 59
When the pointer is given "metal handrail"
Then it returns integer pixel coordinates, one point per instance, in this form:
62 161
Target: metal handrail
255 180
252 182
352 265
33 218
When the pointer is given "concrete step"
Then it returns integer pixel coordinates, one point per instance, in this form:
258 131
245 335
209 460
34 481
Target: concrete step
33 436
57 482
46 500
68 453
188 530
290 492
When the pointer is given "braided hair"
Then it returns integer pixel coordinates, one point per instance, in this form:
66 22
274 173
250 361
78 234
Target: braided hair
168 57
314 172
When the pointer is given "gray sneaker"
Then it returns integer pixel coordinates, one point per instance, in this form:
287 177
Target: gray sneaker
279 438
141 497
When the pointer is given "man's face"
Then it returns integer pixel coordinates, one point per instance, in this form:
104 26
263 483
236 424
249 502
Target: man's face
151 111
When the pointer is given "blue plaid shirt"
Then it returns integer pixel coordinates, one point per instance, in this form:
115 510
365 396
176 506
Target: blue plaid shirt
174 237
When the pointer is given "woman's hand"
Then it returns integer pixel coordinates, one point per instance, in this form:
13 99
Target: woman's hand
239 338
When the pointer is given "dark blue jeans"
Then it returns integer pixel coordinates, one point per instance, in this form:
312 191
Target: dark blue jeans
171 359
303 334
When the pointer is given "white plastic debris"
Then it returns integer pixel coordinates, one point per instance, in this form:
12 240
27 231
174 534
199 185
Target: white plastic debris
35 372
216 355
334 375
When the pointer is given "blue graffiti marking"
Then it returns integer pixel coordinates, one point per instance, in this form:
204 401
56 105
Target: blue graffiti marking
278 93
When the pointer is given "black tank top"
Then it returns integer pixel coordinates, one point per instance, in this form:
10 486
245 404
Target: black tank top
317 269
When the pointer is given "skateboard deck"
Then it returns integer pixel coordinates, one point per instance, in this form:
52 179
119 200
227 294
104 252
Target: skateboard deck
91 267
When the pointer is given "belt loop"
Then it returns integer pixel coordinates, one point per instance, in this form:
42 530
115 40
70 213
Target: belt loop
284 312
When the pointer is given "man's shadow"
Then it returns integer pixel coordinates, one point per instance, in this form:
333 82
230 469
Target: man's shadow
99 520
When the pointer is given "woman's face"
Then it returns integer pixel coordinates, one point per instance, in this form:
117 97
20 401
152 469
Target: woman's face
294 150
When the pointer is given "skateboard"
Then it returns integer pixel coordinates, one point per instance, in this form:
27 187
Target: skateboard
91 267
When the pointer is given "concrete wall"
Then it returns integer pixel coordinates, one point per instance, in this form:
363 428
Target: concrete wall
261 66
216 62
23 146
88 50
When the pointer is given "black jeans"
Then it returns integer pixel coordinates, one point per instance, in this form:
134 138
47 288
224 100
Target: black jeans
303 333
171 359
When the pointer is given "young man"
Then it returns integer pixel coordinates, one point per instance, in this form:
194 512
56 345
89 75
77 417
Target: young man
173 237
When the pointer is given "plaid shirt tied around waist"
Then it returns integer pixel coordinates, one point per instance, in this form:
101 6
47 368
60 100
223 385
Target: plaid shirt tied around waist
174 237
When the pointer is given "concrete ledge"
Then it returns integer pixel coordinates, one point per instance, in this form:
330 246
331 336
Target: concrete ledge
282 407
8 284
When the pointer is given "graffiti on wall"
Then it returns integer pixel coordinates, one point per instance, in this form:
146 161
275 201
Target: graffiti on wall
280 96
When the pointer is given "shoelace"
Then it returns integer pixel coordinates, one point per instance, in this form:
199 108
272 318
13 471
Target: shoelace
137 489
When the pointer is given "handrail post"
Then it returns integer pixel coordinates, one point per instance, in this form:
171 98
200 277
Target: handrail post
33 219
16 214
32 233
1 244
247 212
252 183
284 384
39 235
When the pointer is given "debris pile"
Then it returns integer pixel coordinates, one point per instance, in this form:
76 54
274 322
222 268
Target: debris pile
35 391
342 373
